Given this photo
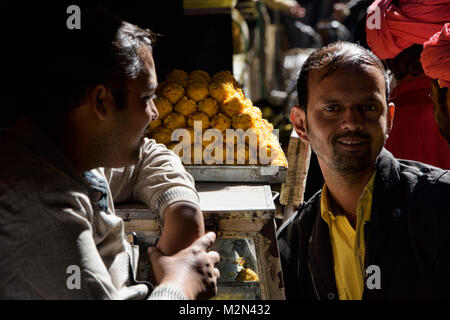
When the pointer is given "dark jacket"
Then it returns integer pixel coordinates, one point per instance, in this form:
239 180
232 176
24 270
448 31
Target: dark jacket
408 238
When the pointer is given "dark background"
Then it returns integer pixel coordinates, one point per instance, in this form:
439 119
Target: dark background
32 30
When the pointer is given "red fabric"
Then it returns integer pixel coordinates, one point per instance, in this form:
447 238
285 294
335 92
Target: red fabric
435 56
411 22
415 134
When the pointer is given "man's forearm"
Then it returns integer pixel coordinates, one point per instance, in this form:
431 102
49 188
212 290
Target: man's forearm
183 224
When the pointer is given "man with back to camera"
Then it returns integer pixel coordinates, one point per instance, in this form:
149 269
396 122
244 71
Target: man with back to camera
378 229
56 197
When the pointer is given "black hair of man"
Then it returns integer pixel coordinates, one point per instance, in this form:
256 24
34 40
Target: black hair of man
332 57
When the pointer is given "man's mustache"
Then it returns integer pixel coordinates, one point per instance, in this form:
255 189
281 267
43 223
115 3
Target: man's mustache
350 135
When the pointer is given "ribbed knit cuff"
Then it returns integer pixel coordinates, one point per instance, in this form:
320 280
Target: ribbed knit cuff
173 195
168 292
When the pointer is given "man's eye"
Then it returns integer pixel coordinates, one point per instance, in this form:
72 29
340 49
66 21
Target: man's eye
150 97
330 108
369 107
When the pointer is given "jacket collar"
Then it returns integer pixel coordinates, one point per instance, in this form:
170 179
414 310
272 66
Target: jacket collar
388 170
387 186
320 259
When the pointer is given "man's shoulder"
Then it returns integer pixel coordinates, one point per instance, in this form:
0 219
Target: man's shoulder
422 188
418 173
27 177
409 173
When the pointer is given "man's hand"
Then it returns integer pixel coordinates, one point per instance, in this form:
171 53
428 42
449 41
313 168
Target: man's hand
192 269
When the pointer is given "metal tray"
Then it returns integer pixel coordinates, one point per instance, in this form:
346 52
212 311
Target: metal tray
224 173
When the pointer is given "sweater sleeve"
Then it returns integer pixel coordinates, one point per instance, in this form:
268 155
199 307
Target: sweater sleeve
159 179
168 292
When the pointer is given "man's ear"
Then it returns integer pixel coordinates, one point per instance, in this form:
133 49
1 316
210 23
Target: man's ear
298 119
390 116
98 98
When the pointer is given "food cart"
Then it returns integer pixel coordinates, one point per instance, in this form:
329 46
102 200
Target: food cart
238 204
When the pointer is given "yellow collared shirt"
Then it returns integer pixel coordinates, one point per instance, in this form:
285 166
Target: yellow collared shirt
348 244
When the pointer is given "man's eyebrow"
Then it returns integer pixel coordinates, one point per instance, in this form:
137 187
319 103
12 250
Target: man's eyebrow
368 99
330 101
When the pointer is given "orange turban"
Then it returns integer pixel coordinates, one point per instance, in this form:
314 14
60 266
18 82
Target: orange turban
435 56
391 29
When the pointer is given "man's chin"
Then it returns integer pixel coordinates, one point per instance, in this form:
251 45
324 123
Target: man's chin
352 163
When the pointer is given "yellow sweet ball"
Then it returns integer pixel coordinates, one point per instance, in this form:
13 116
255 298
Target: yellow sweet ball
246 275
209 106
178 76
233 105
186 106
199 76
197 90
221 90
173 92
220 122
224 76
199 116
242 121
174 121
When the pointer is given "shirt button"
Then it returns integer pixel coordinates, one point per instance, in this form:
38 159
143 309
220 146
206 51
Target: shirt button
331 296
396 213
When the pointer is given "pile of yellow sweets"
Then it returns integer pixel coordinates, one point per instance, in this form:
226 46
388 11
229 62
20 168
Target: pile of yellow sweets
195 100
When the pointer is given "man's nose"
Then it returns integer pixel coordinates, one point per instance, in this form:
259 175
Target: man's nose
353 120
155 113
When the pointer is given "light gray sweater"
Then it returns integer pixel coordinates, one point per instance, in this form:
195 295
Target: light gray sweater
56 242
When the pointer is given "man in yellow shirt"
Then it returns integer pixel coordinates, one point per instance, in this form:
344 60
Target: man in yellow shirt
378 229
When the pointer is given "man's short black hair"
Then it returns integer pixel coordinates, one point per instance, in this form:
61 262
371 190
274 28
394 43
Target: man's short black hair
332 57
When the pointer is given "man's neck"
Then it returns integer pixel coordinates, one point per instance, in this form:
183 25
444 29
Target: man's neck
345 190
65 137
